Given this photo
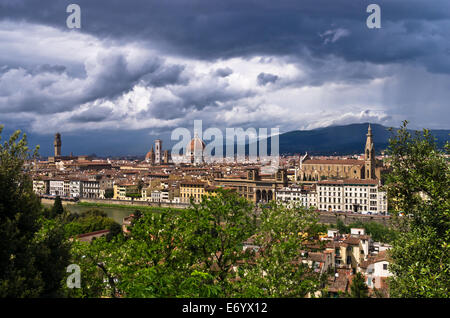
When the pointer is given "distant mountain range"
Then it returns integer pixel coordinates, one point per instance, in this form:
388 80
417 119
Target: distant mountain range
340 140
332 140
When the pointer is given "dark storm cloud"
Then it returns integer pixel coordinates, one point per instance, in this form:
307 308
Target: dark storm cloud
326 41
169 75
96 114
412 30
47 68
265 78
223 72
50 89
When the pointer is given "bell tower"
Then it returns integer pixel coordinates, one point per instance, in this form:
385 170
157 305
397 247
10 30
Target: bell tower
158 151
369 156
57 144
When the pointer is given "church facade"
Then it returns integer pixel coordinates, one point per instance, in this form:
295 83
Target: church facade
326 169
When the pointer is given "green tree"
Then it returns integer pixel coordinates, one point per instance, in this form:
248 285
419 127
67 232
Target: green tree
147 263
88 221
109 193
358 287
214 231
114 230
419 188
52 254
276 268
57 208
378 232
33 253
195 253
342 228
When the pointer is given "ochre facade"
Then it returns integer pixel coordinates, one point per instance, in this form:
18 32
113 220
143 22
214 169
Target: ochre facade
316 169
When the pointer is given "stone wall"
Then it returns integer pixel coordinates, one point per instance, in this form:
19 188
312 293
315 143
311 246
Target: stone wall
348 218
136 203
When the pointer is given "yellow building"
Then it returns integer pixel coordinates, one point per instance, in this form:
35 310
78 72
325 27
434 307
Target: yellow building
196 190
192 189
126 191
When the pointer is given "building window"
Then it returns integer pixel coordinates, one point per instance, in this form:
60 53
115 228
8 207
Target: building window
385 267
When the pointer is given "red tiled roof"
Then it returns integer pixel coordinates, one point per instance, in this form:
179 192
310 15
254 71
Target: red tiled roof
333 161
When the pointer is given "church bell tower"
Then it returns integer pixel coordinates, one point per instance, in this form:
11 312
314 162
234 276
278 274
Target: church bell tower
369 156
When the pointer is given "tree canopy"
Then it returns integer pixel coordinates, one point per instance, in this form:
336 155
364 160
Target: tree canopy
33 251
419 187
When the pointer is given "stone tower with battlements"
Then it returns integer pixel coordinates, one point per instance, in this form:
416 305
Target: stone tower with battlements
57 144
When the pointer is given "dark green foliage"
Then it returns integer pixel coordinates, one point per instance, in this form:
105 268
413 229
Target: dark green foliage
52 254
88 221
57 208
215 229
358 287
317 228
378 232
277 269
109 193
33 253
114 230
342 228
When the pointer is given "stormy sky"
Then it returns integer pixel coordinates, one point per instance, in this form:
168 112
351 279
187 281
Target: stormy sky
136 70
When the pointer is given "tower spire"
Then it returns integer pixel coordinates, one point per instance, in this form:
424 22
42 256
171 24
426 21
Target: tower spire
369 155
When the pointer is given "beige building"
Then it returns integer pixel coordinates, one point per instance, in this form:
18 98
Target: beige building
256 188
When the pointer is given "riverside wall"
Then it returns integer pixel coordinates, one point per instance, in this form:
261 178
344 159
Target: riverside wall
324 217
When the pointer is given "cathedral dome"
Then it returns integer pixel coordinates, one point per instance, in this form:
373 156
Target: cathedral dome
195 144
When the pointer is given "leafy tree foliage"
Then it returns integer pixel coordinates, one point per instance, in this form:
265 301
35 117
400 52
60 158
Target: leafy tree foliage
33 253
109 193
342 228
419 186
276 268
214 231
114 230
198 252
57 208
52 254
358 287
378 231
89 221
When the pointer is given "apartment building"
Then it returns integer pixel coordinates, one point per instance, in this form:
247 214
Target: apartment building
75 188
41 186
303 195
192 189
57 187
90 187
360 196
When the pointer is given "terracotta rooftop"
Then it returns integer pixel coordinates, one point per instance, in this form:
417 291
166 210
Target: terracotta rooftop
333 161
